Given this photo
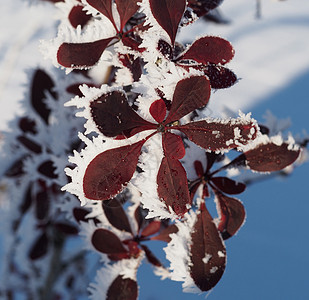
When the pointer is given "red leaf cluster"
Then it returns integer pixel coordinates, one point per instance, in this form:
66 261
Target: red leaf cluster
113 117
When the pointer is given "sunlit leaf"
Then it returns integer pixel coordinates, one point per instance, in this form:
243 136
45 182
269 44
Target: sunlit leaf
231 215
190 93
209 49
199 170
173 185
270 157
104 7
81 55
213 135
113 116
173 146
109 172
122 289
78 16
208 255
168 14
158 110
126 9
107 242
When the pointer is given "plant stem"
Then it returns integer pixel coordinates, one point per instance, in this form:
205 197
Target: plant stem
55 266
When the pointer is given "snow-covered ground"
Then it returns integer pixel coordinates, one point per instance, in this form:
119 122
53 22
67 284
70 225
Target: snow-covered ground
267 259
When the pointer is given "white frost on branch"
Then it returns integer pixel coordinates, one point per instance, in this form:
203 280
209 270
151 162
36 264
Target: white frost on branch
178 253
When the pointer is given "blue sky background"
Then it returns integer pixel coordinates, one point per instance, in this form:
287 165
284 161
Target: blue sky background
268 258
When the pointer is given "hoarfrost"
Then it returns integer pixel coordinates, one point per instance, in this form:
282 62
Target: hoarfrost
178 253
106 275
207 258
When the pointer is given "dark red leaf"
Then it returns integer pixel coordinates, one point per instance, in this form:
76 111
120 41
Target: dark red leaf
116 215
110 171
270 157
107 242
228 186
139 218
264 129
220 77
173 146
205 191
119 256
151 257
158 110
232 215
29 144
166 49
78 16
66 228
211 158
164 234
173 185
168 14
42 204
202 7
48 169
81 55
27 200
208 255
132 63
126 9
199 170
80 214
104 7
42 84
74 88
113 116
40 247
190 94
132 43
122 289
214 135
134 250
209 49
152 228
16 169
193 187
27 125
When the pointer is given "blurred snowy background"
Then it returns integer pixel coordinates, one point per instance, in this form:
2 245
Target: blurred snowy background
268 259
